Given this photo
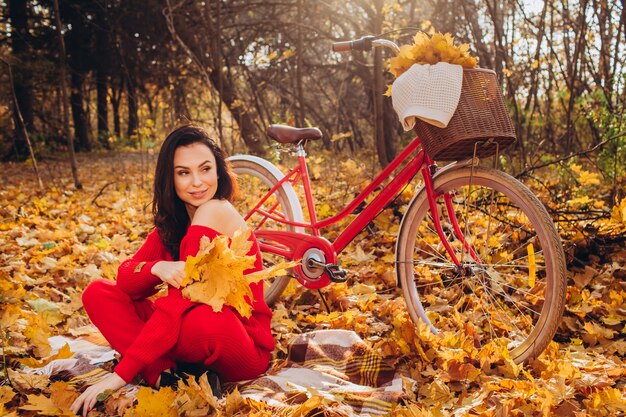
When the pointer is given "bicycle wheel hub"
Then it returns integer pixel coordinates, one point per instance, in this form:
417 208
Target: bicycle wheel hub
467 269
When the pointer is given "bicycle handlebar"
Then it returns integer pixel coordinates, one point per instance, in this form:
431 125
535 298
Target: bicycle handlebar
366 43
362 44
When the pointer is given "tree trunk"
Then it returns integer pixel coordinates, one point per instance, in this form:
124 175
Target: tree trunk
392 128
102 76
22 80
24 132
116 97
66 116
81 124
220 81
249 132
102 108
217 63
471 15
494 8
300 53
133 118
377 93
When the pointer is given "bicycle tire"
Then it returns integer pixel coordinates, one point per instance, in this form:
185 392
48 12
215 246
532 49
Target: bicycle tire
530 304
255 179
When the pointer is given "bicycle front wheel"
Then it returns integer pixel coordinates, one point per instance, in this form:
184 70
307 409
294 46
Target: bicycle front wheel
511 280
255 178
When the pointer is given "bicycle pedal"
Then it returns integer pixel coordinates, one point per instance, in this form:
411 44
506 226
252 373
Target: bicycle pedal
335 273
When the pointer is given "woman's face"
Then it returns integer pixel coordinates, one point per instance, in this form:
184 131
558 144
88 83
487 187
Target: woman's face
195 175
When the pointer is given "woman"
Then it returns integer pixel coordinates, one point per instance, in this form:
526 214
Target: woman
192 188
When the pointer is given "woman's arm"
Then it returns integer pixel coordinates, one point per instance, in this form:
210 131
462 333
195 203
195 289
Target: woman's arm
135 275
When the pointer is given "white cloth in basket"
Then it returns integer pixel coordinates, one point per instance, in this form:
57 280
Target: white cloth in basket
428 92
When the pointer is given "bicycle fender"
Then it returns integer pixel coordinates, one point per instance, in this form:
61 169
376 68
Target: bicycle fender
289 191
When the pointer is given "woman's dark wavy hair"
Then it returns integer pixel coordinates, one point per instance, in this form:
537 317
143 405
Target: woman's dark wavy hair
170 215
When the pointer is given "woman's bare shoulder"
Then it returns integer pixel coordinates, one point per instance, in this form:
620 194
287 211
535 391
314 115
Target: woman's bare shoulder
219 215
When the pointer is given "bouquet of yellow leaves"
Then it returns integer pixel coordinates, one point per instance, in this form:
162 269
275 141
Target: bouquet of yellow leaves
215 276
431 50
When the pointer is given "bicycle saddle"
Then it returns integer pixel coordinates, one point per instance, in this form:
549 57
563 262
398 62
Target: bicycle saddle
288 134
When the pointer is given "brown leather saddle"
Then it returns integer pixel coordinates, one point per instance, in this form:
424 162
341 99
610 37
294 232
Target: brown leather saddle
287 134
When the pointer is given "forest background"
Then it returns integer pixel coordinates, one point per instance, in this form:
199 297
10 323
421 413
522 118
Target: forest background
127 72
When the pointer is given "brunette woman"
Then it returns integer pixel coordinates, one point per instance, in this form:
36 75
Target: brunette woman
193 186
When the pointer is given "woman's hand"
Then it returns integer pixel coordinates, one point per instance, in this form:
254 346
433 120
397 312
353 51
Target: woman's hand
171 273
89 398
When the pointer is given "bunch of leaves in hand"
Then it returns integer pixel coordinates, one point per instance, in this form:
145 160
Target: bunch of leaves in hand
427 49
215 276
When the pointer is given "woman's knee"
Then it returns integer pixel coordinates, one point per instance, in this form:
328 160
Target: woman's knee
97 291
211 331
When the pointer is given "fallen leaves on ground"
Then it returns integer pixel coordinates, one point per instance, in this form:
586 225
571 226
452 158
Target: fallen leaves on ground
55 243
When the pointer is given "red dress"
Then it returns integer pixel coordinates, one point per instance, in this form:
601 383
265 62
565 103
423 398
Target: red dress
152 336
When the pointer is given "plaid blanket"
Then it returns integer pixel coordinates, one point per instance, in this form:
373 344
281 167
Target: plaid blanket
334 365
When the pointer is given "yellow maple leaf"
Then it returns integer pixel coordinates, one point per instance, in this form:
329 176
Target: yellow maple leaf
610 399
6 394
306 408
11 314
195 397
240 243
215 276
596 333
154 404
63 353
45 406
588 178
430 49
27 382
37 332
618 214
63 394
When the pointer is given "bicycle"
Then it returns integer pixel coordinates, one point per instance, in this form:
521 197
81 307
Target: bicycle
475 246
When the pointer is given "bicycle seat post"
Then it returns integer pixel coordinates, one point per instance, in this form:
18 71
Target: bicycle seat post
300 152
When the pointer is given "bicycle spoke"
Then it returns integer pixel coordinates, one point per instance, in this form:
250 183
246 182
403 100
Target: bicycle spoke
503 293
518 289
540 252
480 305
450 283
507 318
447 265
515 304
435 254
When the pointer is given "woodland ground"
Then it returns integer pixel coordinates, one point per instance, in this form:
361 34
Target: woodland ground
54 243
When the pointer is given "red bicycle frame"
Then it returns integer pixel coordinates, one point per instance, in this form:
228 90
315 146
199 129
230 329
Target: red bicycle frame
416 160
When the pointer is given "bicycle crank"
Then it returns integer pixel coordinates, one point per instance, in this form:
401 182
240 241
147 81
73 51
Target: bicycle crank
317 268
314 265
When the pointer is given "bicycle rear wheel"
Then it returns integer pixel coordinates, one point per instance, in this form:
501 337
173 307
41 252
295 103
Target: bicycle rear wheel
513 287
255 178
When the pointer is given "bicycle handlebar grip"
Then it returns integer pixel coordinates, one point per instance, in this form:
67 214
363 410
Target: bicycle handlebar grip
344 46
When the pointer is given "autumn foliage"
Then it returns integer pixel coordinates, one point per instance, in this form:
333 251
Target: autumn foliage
55 243
215 276
431 49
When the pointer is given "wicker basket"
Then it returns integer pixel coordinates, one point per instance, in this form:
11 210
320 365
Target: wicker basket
481 120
